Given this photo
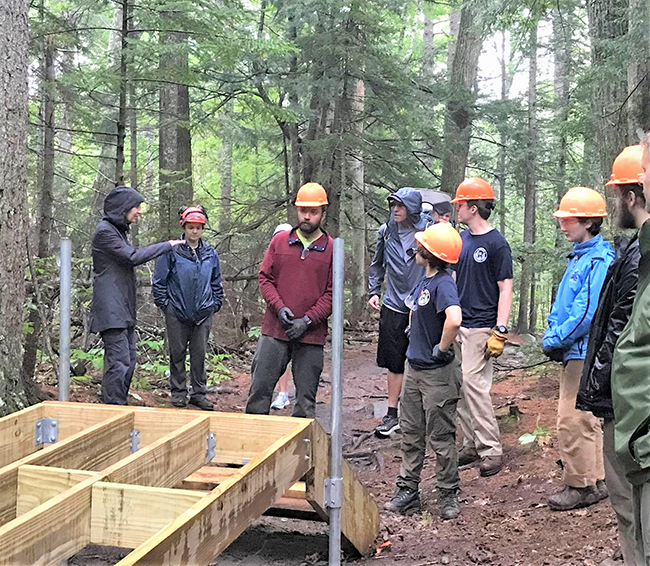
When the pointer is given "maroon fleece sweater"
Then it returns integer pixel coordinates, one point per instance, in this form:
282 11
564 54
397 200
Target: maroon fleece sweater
300 279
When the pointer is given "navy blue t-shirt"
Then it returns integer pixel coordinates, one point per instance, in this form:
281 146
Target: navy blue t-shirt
484 260
428 301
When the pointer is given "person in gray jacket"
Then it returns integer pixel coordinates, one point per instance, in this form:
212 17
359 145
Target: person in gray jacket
394 262
112 312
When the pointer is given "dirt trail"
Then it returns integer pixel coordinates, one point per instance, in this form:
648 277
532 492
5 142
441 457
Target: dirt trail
504 520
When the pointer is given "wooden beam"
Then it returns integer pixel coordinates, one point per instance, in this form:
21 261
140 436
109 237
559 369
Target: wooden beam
168 460
17 433
60 527
359 512
210 525
90 449
75 417
38 484
128 515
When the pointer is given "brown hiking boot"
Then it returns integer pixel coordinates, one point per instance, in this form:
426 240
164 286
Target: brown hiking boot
573 498
491 465
467 455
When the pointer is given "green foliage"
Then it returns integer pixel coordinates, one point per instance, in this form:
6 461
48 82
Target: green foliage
216 370
540 435
254 332
95 356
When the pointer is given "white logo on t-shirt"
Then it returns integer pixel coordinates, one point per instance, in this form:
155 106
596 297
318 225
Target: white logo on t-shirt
480 255
424 297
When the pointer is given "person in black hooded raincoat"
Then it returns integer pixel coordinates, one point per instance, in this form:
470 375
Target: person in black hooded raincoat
112 312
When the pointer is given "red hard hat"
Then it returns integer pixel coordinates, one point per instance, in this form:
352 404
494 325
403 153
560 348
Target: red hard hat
474 188
193 215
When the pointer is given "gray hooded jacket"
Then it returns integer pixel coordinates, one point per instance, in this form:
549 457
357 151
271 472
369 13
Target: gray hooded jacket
394 259
114 262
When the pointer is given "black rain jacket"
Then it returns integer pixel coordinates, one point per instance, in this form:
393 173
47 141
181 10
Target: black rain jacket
114 262
613 312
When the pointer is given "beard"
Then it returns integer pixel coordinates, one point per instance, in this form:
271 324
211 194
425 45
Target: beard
308 227
625 219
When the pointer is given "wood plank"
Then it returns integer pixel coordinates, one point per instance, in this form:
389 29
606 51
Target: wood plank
49 533
127 515
90 449
359 512
17 434
60 527
168 460
75 417
209 477
38 484
209 526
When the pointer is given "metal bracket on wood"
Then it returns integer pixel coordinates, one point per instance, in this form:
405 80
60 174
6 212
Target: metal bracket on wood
135 440
212 447
47 431
333 492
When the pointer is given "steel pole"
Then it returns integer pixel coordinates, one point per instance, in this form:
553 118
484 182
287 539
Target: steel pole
65 294
335 479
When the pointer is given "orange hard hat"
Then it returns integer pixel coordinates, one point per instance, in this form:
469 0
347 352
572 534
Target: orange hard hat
581 202
627 166
442 240
474 188
193 215
310 195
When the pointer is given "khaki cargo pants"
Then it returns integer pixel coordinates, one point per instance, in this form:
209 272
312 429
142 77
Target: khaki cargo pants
579 433
427 411
475 411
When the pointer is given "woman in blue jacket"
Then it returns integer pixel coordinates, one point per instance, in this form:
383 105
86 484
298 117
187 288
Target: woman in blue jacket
187 287
580 213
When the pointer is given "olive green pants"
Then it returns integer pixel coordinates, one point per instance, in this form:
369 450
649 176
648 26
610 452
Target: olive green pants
427 411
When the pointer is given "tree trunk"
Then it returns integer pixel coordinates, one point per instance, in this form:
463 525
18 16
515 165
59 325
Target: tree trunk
122 111
14 45
224 166
174 141
527 268
133 170
428 50
463 58
607 25
105 178
355 209
638 71
503 139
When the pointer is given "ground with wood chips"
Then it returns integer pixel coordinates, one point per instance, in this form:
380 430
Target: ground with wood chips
504 521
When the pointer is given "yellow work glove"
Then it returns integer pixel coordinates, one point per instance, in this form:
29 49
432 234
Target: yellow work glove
495 344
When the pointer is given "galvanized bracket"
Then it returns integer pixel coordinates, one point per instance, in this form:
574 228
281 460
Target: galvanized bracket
211 447
47 431
333 492
307 442
245 461
135 440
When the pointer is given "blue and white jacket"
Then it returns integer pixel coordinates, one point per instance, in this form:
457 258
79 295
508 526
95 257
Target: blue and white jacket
577 298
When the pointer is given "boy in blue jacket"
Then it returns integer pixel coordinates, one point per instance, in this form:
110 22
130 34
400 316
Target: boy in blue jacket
580 214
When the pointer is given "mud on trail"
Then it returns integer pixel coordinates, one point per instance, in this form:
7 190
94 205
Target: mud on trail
505 520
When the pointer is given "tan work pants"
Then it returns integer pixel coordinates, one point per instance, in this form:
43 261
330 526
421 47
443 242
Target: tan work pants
475 411
579 433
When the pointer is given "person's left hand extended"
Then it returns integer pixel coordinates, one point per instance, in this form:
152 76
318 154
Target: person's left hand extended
297 328
495 344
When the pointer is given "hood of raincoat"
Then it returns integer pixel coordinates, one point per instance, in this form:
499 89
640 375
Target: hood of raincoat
118 202
412 200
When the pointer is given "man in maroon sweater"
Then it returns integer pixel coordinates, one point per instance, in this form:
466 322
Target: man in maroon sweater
296 283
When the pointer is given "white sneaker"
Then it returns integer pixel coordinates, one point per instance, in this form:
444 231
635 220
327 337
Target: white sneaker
281 401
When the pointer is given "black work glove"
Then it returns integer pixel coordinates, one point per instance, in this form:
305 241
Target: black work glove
297 328
285 316
555 354
443 357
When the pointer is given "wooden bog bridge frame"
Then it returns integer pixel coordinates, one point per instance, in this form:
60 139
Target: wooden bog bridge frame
73 474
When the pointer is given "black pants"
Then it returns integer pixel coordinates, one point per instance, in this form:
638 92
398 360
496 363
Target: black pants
179 335
269 363
120 357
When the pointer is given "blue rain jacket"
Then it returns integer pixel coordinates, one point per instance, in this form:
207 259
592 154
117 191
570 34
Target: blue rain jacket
391 261
577 298
187 282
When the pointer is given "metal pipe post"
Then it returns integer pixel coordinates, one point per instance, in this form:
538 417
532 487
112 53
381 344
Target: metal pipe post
336 467
65 298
